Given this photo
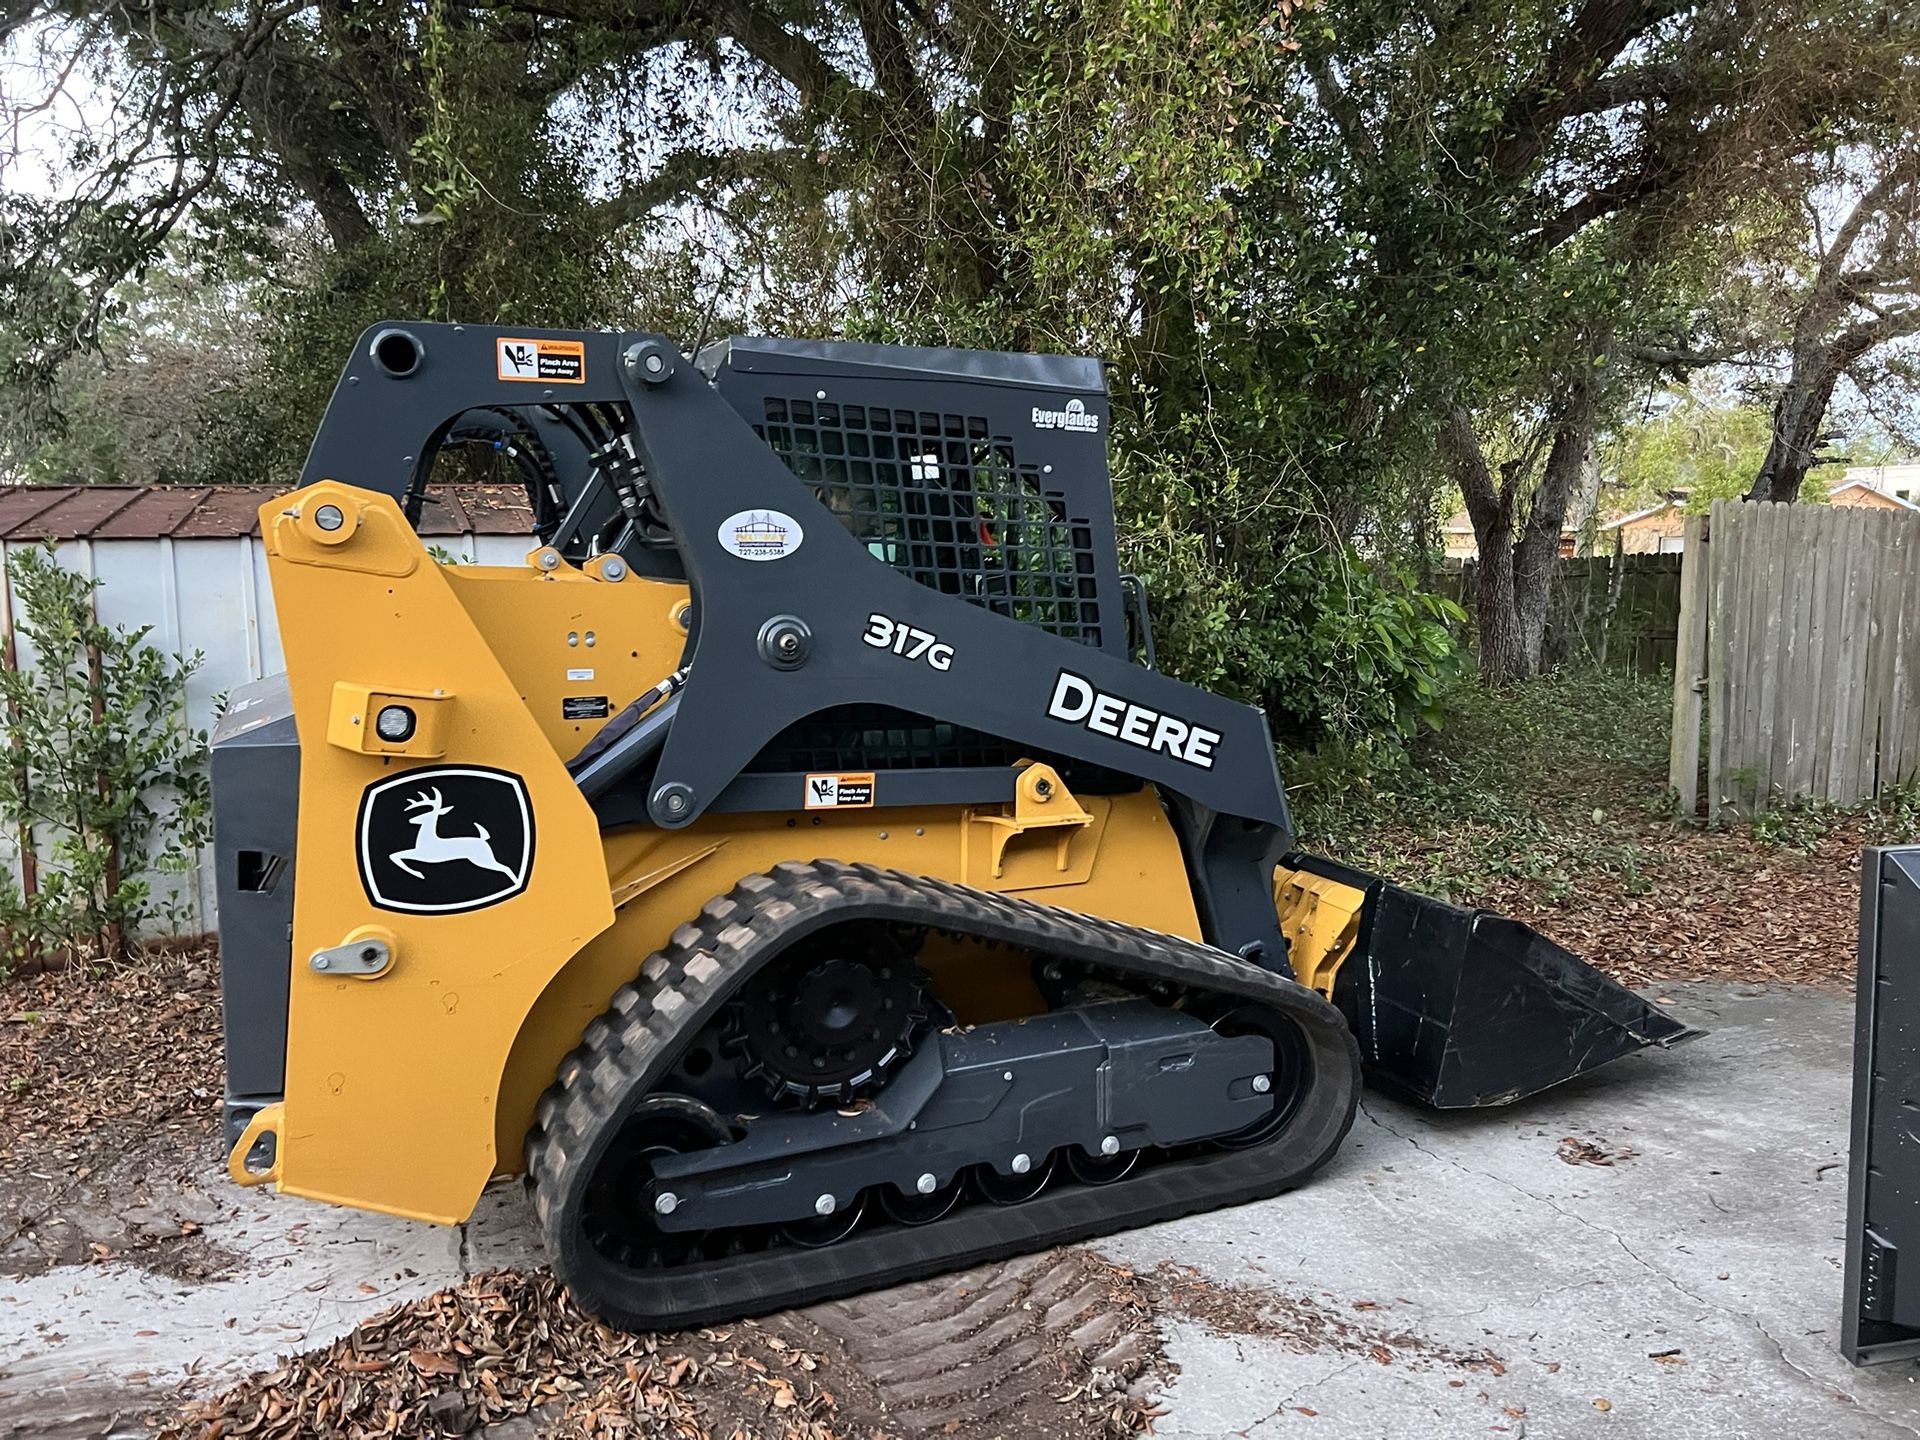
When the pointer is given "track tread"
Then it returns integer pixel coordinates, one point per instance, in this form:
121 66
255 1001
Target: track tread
628 1049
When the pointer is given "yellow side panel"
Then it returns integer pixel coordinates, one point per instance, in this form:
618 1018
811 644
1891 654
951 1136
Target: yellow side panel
392 1082
563 637
1320 919
1138 877
407 1090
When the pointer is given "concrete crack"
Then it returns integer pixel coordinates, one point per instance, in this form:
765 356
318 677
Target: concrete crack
1294 1397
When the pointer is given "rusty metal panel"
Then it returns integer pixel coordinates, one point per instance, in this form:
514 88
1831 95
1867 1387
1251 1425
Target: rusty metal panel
77 513
224 512
477 510
19 504
153 512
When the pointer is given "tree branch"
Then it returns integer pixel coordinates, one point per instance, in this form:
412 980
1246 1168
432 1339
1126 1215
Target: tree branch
1600 31
683 173
1341 110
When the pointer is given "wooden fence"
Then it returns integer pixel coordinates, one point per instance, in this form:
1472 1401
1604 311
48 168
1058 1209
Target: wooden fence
1620 610
1800 637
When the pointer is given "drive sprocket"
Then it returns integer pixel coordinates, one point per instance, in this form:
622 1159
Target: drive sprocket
833 1017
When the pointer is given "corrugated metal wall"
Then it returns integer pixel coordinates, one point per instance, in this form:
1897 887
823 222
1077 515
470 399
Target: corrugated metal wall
209 595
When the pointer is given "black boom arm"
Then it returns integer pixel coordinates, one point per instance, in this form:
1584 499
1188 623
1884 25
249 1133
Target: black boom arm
795 615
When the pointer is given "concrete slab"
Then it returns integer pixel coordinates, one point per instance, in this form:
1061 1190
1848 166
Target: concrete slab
1448 1275
1691 1288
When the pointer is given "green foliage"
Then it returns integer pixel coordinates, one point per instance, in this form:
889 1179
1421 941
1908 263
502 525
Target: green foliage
1800 823
98 767
1527 786
1709 445
1334 649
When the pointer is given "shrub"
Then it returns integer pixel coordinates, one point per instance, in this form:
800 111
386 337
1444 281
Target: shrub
100 770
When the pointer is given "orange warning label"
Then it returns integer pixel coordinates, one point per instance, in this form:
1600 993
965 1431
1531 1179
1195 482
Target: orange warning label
548 361
840 791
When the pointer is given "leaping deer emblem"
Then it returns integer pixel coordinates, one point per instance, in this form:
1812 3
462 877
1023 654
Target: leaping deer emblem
430 847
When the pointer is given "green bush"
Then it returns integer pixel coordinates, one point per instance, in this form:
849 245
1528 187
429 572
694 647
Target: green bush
100 769
1339 653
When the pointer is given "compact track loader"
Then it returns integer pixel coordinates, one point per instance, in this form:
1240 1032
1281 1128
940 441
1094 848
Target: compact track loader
788 868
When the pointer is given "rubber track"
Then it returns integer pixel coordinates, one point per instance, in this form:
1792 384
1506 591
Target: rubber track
629 1049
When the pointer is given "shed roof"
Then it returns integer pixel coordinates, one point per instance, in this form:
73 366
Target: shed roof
1867 487
1664 507
212 512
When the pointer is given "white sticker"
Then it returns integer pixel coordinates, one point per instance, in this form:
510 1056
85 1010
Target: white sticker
1075 417
579 674
760 534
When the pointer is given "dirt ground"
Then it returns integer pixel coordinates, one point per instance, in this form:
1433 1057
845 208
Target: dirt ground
109 1162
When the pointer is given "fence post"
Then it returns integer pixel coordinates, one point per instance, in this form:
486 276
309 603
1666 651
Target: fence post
1689 667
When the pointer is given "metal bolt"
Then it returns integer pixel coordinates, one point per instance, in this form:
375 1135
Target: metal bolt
819 394
613 568
549 559
677 803
1043 788
654 363
1261 1084
1006 1075
1022 1163
573 637
665 1203
926 1183
824 1205
369 954
328 517
919 829
588 637
1110 1145
321 962
883 834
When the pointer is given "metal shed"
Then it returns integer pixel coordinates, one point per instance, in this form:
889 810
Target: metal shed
187 561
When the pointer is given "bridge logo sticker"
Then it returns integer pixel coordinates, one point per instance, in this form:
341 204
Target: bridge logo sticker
445 839
760 534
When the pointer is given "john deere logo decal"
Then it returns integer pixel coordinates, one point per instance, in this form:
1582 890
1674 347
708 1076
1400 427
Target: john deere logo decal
760 534
445 839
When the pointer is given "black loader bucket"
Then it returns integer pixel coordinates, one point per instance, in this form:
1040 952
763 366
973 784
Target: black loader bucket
1454 1007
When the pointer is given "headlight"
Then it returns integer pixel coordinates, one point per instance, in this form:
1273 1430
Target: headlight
394 723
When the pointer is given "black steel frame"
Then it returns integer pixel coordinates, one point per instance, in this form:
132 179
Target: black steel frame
704 464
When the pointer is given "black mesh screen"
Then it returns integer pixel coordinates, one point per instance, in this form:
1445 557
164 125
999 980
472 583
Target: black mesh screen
881 737
942 499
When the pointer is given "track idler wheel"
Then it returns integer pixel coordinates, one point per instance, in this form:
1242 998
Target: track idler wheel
616 1215
828 1228
1287 1084
1017 1188
923 1207
1101 1169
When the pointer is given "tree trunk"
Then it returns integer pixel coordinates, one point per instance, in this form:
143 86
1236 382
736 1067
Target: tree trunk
1797 417
1516 576
1503 651
1539 548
